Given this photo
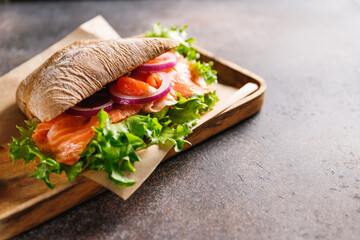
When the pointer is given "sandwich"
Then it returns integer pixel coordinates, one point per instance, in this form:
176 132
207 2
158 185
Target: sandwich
93 104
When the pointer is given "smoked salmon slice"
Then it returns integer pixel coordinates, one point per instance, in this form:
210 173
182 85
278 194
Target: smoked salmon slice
66 136
184 81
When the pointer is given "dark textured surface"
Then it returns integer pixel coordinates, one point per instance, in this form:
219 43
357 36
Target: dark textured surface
290 172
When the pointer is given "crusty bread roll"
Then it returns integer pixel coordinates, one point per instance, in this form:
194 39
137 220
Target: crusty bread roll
81 69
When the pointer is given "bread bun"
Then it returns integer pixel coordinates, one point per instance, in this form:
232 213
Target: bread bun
81 69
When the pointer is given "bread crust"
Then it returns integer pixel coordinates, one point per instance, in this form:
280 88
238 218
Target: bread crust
81 69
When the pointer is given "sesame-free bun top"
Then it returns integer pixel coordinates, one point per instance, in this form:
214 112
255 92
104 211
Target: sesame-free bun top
81 69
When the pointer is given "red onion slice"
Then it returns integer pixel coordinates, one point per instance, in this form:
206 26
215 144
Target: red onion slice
171 60
127 99
92 105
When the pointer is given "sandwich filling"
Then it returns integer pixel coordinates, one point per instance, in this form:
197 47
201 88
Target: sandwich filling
66 136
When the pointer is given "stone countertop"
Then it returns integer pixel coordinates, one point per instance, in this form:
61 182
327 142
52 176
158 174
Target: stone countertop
291 171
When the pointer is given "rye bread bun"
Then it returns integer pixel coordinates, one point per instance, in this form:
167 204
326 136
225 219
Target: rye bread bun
81 69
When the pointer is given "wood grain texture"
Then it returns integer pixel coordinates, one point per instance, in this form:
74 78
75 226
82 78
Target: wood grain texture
26 202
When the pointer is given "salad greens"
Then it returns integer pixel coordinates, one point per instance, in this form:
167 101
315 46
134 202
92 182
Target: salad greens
113 147
24 147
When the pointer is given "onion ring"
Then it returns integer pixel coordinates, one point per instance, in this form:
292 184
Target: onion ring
92 105
171 60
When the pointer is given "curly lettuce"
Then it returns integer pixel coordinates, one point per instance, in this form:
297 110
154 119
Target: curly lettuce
24 147
113 148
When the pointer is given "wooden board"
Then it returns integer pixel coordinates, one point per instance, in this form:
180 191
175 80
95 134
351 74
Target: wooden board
26 202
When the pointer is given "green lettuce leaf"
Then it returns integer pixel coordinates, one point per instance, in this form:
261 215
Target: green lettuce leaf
177 34
113 148
204 69
24 147
179 118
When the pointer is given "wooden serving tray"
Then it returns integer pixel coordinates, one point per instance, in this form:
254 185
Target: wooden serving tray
26 202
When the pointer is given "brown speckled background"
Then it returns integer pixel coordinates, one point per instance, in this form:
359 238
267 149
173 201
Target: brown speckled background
290 172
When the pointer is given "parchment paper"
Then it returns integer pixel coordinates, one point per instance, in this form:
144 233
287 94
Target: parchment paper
98 28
